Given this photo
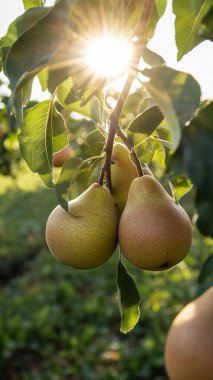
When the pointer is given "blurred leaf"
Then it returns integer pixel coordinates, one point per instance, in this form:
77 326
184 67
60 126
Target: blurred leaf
62 185
180 186
34 48
152 58
20 26
129 299
146 103
147 121
198 157
206 273
177 95
44 133
206 29
189 15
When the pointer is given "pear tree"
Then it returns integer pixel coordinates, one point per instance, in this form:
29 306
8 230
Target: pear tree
122 141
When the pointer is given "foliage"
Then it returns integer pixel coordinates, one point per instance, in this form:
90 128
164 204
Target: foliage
168 124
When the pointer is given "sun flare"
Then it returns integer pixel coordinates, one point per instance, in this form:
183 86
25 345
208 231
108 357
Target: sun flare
108 56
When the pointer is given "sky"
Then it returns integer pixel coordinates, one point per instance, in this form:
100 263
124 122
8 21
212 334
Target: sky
198 62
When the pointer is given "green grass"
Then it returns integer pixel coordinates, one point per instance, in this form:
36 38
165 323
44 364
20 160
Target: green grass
59 323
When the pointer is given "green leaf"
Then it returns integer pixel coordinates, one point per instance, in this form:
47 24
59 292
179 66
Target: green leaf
95 141
62 185
43 78
32 50
198 157
189 15
147 121
75 173
21 98
44 133
180 186
206 273
129 299
69 99
18 27
177 95
146 149
32 3
152 58
146 103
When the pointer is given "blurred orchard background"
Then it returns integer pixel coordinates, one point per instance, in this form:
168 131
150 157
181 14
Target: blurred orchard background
59 323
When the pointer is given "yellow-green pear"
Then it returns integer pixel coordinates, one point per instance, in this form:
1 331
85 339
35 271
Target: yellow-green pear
86 236
123 171
155 233
189 344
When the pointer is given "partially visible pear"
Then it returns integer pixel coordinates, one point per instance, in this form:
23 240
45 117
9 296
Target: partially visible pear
86 236
189 344
123 171
155 233
62 155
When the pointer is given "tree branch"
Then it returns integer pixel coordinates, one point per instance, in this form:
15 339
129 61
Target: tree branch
114 118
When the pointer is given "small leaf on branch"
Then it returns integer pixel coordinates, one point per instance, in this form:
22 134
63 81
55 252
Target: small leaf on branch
180 185
152 58
147 121
129 299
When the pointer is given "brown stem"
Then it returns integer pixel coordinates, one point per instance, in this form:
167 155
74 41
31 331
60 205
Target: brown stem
114 118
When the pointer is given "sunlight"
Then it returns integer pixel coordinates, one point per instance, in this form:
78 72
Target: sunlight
108 56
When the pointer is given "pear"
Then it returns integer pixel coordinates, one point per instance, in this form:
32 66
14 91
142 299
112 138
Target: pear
123 171
155 233
189 344
86 236
62 155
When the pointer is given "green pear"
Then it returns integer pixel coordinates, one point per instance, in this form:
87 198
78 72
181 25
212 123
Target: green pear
155 233
123 171
86 236
189 344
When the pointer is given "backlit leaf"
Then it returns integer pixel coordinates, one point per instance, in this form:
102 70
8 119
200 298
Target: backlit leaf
180 186
44 133
189 15
129 299
147 121
177 95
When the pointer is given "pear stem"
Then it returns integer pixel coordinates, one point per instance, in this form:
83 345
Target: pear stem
114 128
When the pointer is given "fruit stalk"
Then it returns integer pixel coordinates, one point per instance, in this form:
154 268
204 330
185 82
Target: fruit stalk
114 118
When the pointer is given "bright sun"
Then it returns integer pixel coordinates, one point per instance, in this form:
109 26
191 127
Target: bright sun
108 57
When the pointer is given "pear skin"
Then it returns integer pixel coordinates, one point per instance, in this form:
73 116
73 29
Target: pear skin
189 344
86 236
155 233
123 171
